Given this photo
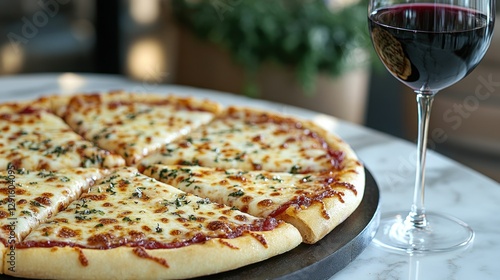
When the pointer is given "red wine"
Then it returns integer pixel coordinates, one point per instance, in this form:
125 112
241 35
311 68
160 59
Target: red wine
430 46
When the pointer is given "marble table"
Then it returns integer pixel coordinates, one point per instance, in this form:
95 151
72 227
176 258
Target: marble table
451 187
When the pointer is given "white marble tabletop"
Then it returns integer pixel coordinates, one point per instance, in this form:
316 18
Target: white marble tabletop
451 187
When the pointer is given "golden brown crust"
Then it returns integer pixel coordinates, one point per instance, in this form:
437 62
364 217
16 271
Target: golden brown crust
310 222
137 263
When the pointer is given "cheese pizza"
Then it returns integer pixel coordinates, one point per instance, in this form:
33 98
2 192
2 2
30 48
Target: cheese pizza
315 203
123 185
28 197
147 229
251 139
136 125
35 139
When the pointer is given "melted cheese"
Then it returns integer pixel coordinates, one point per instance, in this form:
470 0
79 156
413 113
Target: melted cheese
129 208
28 197
38 140
251 140
258 193
133 129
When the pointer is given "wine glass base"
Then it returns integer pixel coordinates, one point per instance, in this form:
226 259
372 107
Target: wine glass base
443 233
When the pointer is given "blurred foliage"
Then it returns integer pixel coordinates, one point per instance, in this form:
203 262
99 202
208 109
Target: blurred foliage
304 34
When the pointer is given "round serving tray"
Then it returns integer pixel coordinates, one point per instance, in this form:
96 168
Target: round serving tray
328 256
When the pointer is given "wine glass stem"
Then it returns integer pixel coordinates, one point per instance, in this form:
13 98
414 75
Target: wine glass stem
416 218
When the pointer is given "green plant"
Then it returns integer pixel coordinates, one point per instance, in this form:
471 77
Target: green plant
304 34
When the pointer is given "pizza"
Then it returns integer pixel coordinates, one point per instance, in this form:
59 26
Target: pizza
29 197
139 225
35 139
282 165
134 125
251 139
121 185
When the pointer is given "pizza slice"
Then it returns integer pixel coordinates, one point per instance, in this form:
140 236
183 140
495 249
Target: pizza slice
315 203
134 125
29 197
35 139
250 139
130 226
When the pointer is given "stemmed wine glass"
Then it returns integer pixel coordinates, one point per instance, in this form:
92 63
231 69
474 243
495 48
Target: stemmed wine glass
428 45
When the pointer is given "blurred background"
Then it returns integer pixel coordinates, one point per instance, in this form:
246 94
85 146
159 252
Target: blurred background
307 53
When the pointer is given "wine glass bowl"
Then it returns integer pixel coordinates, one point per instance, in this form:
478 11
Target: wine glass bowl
428 45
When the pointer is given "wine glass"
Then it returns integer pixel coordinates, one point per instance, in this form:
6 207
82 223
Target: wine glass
428 45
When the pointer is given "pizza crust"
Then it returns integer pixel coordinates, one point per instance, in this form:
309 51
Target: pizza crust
212 256
310 221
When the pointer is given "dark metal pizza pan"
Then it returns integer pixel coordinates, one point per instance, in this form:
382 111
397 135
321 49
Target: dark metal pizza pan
323 259
328 256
